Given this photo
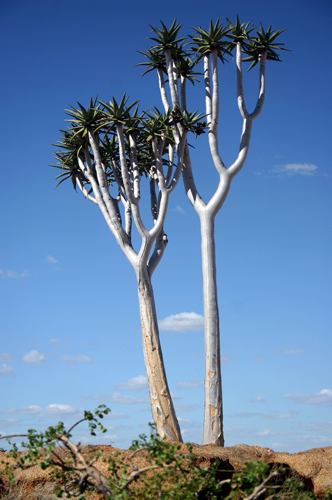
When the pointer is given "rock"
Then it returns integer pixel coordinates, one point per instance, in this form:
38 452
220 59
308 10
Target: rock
314 467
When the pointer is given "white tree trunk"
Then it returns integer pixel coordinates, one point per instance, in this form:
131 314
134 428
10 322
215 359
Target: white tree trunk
161 402
213 411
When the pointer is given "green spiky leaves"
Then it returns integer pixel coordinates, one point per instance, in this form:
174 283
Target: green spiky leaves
263 42
214 39
167 38
238 32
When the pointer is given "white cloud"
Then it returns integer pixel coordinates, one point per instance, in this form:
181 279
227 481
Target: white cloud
280 416
13 274
244 414
175 396
323 398
257 399
6 370
183 323
322 427
306 169
76 359
51 259
292 351
54 340
5 357
224 360
117 398
33 357
190 385
134 384
185 407
51 411
178 209
184 422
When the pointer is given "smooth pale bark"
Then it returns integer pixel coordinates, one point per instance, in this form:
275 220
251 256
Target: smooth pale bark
161 402
143 263
213 411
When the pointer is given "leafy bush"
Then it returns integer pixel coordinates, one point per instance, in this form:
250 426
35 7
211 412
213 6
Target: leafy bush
166 473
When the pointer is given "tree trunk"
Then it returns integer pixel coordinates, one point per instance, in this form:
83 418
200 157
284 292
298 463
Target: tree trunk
213 411
161 402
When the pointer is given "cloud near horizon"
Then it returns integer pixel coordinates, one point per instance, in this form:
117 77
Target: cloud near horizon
305 169
72 360
51 411
13 274
33 358
323 398
116 398
182 323
6 370
135 384
190 385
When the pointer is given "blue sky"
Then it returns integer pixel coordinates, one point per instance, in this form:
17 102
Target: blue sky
69 326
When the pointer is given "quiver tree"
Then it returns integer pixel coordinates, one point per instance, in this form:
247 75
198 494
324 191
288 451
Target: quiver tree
170 57
105 152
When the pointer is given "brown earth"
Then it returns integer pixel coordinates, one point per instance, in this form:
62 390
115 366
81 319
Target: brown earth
314 467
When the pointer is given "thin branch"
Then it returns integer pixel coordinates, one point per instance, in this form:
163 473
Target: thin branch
84 190
261 95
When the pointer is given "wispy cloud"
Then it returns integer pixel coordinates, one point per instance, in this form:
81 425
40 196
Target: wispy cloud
185 407
117 398
244 414
54 341
269 416
178 209
280 416
183 322
134 384
292 351
13 274
321 427
225 359
258 399
72 360
6 370
51 411
33 357
185 422
305 169
190 385
323 398
51 259
4 357
175 396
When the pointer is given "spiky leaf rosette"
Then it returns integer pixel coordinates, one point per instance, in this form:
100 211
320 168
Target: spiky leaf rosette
263 42
166 38
155 60
206 41
238 32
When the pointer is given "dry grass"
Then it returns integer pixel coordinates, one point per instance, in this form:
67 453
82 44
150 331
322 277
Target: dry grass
21 490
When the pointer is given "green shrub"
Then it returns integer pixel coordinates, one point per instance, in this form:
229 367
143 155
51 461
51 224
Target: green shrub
167 474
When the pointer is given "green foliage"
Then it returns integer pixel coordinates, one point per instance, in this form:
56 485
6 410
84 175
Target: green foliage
263 42
214 39
154 470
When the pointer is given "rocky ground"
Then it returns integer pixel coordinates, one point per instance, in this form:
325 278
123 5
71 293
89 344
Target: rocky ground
314 467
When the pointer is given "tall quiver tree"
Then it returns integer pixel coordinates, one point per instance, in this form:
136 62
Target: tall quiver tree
211 46
107 149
